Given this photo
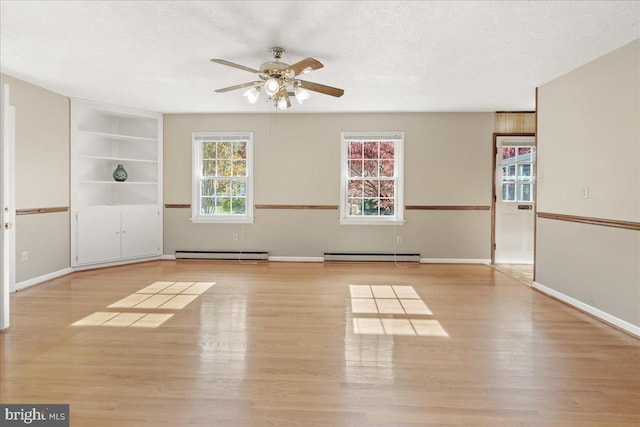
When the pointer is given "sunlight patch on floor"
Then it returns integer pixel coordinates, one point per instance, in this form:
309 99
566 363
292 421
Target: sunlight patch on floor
158 295
124 320
400 301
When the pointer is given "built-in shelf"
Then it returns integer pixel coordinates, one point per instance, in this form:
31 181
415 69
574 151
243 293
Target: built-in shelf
111 220
119 183
118 159
119 137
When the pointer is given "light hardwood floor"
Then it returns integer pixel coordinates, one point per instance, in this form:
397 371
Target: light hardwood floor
273 344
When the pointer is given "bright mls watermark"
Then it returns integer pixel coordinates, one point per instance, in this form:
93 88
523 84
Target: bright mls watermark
54 415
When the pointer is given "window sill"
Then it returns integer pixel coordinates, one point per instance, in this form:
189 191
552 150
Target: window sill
223 220
371 221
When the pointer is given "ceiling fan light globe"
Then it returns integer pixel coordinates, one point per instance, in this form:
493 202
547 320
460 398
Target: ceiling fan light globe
282 104
252 95
271 86
302 94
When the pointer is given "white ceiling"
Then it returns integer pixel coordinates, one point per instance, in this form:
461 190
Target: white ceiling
387 55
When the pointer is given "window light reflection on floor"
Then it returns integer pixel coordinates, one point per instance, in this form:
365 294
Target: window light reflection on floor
158 295
391 300
124 320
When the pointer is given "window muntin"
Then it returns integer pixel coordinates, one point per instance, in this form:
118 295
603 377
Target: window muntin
371 178
222 179
518 173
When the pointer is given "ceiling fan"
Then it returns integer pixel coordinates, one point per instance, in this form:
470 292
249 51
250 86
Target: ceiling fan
279 80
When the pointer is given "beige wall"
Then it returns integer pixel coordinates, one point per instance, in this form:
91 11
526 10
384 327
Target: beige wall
297 161
589 136
42 177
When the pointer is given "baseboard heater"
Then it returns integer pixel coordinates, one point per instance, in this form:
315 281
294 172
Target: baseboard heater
230 255
370 256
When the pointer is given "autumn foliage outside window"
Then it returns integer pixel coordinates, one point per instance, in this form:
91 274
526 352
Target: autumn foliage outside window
372 178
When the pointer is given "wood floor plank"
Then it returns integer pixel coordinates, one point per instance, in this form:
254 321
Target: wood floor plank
284 344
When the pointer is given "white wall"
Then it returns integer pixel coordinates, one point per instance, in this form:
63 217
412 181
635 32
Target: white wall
297 161
42 177
589 136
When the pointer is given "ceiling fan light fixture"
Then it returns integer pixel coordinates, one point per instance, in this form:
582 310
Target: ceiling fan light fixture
271 86
282 103
252 95
302 94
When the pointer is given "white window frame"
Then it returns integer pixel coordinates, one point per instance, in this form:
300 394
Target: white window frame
398 217
197 139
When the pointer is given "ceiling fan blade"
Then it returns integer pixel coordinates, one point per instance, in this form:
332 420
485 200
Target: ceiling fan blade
240 86
234 65
317 87
312 64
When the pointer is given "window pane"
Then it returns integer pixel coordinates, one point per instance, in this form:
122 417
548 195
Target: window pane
238 205
508 154
386 150
524 172
207 205
508 192
370 150
355 150
354 206
387 188
525 193
223 187
371 168
223 205
209 150
371 188
208 168
355 167
239 150
354 188
387 206
239 168
208 188
224 150
370 207
224 168
386 168
508 173
524 154
238 188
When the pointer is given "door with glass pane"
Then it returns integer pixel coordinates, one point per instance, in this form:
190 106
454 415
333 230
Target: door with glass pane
515 189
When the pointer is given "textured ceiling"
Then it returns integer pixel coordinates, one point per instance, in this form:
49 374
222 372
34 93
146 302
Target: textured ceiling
388 56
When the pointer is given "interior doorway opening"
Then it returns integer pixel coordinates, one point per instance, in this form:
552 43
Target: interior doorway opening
513 210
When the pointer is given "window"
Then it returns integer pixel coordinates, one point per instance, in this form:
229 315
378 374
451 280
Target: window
371 178
518 173
222 177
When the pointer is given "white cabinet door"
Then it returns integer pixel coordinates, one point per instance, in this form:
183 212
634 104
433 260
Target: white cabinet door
98 235
140 231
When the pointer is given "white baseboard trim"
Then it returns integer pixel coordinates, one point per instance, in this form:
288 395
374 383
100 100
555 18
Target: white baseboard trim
606 317
296 258
115 263
168 257
454 261
37 280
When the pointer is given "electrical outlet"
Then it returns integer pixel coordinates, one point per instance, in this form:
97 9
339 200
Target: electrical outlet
585 192
24 256
234 236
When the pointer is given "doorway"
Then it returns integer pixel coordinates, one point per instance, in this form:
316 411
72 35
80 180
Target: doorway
514 199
